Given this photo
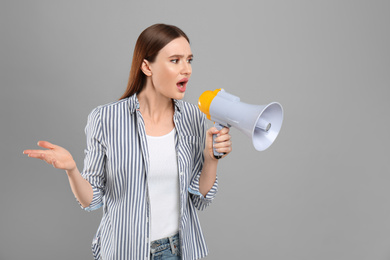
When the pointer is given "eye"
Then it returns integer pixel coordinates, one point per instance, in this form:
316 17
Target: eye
175 61
190 61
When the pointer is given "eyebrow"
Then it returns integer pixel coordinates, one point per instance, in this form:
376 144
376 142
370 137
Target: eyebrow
181 56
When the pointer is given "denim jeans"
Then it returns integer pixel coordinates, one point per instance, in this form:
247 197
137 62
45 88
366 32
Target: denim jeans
166 248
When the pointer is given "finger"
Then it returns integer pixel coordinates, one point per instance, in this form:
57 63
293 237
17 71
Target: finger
46 144
27 151
225 150
223 138
223 144
224 131
212 131
37 155
33 151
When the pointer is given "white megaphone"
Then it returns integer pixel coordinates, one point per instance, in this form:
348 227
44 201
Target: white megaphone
262 123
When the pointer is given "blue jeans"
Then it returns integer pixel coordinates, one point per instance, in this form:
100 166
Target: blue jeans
166 248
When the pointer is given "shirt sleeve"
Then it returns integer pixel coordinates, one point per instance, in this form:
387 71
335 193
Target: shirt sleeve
95 158
200 201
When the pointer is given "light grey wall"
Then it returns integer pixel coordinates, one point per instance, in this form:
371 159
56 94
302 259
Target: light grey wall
321 191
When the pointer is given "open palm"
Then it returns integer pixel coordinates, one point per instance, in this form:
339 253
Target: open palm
55 155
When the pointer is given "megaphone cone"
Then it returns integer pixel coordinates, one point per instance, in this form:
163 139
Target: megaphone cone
263 137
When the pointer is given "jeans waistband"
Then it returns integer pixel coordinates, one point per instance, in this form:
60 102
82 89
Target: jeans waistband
164 243
165 240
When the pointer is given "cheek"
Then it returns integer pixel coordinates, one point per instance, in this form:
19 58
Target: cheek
166 75
170 71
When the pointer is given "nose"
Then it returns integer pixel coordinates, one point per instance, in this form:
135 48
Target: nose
186 69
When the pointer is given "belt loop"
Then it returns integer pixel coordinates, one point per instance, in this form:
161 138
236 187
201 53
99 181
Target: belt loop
173 249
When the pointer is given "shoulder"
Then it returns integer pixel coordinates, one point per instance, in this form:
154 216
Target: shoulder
108 110
112 106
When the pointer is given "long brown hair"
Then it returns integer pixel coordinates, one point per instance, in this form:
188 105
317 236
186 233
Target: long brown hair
149 43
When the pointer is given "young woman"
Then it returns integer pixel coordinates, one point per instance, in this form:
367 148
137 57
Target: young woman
149 159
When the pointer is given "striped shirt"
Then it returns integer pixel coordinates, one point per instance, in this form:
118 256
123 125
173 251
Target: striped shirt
117 165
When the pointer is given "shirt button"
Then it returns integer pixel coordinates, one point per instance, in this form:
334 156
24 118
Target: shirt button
181 173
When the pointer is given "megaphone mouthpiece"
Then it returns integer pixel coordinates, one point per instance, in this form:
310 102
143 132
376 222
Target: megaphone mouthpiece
263 124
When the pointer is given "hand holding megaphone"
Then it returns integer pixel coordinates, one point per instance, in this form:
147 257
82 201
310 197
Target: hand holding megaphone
262 123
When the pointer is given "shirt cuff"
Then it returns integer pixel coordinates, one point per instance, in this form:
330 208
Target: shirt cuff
96 200
194 189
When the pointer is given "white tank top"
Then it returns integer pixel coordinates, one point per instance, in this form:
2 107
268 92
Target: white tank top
163 182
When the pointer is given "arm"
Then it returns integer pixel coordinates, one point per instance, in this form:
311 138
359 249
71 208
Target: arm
204 184
209 171
81 188
88 186
60 158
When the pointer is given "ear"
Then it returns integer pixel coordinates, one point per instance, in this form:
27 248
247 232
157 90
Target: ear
145 67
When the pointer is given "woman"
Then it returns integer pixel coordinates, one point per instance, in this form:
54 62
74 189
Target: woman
149 161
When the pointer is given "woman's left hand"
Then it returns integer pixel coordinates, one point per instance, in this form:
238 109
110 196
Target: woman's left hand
223 143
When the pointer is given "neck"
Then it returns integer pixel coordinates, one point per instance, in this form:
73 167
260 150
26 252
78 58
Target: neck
154 105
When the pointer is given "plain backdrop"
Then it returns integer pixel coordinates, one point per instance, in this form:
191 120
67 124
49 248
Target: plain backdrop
321 191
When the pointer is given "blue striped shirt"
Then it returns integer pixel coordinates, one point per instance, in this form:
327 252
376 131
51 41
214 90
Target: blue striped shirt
117 164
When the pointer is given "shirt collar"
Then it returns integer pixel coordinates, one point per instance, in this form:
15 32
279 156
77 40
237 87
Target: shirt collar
178 104
134 104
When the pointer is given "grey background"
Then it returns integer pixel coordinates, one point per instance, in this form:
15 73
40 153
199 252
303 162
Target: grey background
321 191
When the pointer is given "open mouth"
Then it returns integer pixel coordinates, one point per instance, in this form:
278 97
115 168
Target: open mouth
182 84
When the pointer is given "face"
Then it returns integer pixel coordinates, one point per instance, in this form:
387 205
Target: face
171 69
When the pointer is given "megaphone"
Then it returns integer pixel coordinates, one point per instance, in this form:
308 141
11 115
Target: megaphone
261 123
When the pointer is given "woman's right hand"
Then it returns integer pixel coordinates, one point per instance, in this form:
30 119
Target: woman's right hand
57 156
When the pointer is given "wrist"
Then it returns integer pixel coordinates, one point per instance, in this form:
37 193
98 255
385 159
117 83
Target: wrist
72 170
209 157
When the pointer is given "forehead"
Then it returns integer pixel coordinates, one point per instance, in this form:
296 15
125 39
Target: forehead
178 46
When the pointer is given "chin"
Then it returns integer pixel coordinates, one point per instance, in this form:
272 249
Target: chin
179 96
